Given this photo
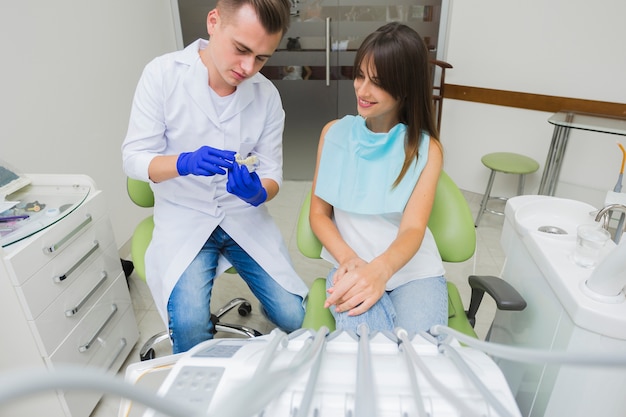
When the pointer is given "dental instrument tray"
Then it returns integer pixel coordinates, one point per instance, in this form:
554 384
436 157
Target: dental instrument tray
311 373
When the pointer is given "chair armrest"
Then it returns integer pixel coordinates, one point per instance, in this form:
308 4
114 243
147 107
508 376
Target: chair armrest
503 293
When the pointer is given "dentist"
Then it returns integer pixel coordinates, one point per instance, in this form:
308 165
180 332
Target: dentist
192 111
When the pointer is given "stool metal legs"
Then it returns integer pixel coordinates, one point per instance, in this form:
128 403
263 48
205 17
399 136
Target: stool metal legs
483 203
520 184
487 196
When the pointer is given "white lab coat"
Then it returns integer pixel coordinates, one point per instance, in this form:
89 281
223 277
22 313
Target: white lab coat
172 113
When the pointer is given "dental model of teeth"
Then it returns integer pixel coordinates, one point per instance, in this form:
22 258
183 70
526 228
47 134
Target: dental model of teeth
251 162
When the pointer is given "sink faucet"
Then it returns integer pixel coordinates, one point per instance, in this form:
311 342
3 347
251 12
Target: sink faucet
604 215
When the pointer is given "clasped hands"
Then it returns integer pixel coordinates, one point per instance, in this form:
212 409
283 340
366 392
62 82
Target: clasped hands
357 286
208 161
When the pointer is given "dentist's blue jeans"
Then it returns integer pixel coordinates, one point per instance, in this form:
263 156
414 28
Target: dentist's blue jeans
188 306
415 306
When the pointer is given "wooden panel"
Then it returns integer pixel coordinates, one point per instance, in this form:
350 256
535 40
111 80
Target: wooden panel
532 101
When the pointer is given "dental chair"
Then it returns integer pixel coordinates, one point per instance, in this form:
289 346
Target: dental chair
452 226
141 194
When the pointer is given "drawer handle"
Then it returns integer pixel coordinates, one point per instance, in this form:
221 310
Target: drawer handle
56 246
62 278
86 346
81 303
122 345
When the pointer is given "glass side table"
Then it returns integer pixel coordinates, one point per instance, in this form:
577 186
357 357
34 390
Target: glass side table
563 122
38 206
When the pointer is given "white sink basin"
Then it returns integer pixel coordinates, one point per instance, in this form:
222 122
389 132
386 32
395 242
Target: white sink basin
552 215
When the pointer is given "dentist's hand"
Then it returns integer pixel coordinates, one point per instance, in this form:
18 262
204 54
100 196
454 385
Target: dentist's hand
205 161
245 185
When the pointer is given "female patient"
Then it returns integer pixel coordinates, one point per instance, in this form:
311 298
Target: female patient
374 188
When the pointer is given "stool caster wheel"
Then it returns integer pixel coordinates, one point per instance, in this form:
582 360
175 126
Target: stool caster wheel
148 355
244 309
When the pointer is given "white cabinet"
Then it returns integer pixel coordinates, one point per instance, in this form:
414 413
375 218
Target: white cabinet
63 295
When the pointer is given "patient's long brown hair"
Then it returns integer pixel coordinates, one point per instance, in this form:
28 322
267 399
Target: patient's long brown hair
400 58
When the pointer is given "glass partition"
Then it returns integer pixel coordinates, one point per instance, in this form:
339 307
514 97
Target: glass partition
312 67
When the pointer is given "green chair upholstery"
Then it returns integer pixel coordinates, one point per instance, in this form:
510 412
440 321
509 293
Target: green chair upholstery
452 226
139 243
141 194
451 222
316 315
457 317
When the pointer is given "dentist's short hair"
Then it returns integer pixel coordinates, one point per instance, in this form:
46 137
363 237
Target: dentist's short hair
274 15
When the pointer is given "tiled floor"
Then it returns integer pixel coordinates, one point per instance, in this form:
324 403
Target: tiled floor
488 260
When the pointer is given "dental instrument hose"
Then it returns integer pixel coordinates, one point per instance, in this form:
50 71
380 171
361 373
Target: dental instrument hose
618 189
527 355
18 384
261 389
417 394
455 400
309 391
463 367
365 401
618 185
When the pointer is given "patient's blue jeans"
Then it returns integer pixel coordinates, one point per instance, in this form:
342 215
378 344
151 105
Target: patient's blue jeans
188 306
415 306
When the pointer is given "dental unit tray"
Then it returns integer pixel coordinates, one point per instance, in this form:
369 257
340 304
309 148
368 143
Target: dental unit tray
311 373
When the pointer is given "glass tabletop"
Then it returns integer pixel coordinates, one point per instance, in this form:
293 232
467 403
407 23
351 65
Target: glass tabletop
588 121
38 207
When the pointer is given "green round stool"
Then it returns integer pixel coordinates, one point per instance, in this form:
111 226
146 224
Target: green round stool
508 163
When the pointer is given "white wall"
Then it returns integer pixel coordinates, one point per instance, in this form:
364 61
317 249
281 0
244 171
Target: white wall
69 70
568 48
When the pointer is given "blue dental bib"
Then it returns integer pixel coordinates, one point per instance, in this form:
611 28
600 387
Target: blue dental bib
358 168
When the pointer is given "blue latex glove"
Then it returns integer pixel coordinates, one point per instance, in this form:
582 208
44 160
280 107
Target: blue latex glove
205 161
245 185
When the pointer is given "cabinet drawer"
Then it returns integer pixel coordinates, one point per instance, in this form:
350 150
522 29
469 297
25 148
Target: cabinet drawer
49 243
82 344
58 320
114 348
116 345
68 268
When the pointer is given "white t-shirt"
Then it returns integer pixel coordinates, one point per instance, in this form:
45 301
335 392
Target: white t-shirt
370 235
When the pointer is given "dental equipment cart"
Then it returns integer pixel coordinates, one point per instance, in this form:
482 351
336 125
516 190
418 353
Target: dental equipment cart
63 295
563 313
314 374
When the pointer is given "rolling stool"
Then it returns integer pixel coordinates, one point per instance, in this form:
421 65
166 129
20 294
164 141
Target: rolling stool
508 163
